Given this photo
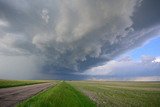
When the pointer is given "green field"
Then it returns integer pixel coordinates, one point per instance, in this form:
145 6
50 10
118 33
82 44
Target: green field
121 94
13 83
91 94
62 95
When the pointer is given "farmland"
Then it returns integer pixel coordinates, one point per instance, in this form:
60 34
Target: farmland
121 94
83 93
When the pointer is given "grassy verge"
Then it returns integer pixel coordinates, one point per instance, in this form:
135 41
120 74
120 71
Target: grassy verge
62 95
121 94
14 83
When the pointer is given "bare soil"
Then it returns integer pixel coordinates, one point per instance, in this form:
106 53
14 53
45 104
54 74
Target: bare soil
9 97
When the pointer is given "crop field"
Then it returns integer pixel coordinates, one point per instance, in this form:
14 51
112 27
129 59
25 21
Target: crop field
82 94
14 83
121 94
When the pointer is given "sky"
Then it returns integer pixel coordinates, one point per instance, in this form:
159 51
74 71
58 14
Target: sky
80 39
150 48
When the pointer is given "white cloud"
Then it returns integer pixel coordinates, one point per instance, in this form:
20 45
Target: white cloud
45 15
157 60
3 23
144 69
147 78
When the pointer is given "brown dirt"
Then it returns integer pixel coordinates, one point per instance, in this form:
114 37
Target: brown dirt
9 97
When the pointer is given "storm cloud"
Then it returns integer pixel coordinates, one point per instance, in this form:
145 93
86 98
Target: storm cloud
68 36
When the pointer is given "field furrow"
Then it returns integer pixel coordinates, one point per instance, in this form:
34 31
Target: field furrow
121 94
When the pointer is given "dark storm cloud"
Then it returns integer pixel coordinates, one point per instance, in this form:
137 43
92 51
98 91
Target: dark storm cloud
147 15
72 36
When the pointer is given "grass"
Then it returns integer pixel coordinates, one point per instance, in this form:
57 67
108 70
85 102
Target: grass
14 83
121 94
62 95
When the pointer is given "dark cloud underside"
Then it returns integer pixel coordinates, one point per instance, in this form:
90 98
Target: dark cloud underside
71 36
146 15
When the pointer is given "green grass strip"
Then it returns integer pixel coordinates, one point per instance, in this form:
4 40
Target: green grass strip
62 95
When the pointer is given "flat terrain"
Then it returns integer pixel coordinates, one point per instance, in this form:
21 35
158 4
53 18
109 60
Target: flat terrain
14 83
82 94
121 94
10 96
62 95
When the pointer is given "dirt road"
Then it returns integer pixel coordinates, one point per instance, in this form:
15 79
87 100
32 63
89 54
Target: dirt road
10 96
